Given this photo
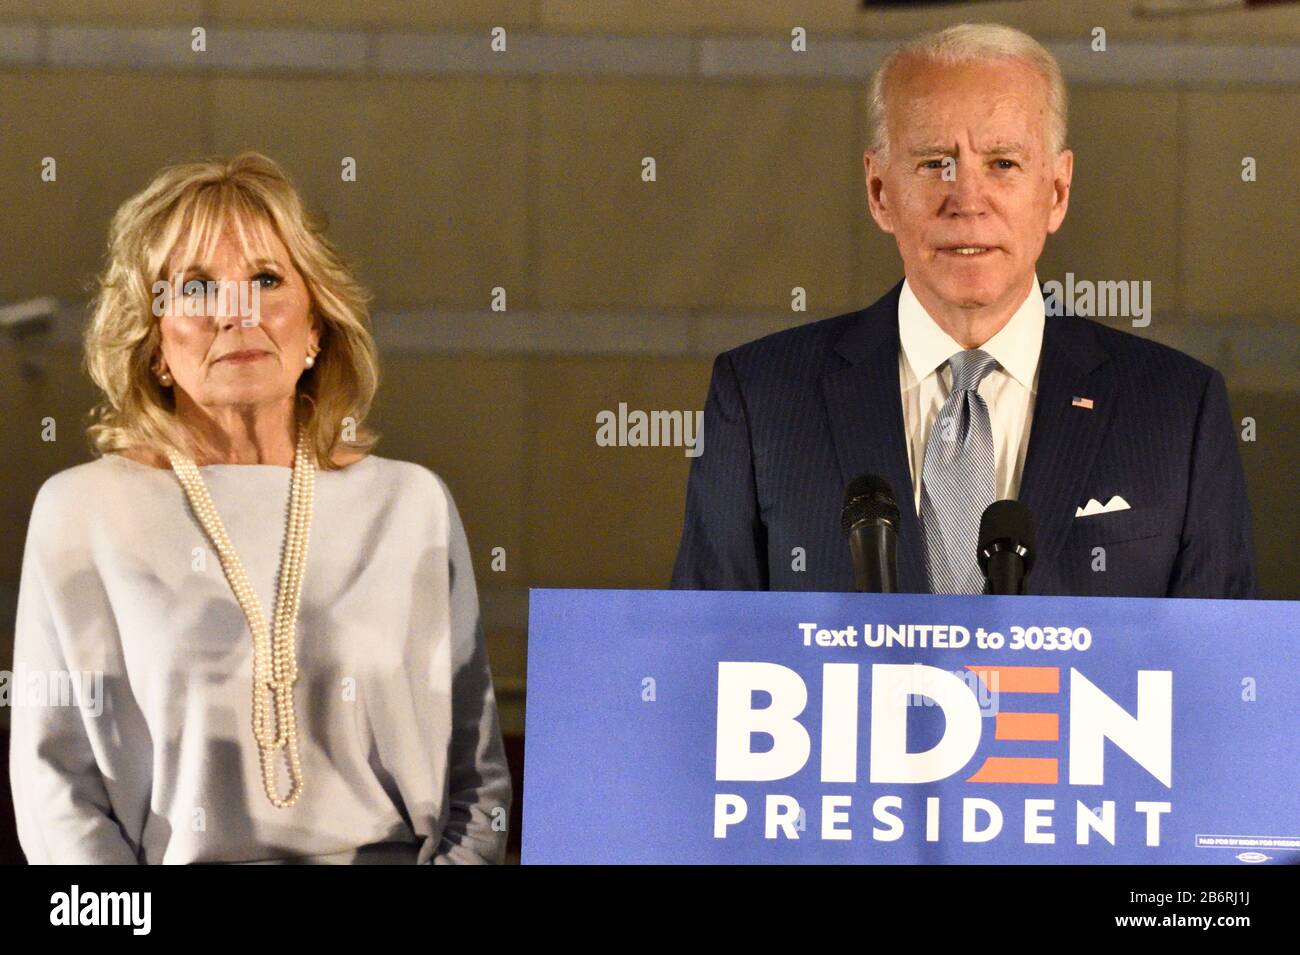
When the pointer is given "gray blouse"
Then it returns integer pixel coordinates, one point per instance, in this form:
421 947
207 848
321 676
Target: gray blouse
131 693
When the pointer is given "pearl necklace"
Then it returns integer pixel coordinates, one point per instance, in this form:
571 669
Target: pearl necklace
275 667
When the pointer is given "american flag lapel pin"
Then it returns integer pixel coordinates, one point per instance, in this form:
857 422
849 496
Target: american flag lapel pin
1078 402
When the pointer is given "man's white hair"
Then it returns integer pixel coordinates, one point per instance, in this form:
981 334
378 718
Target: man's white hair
967 43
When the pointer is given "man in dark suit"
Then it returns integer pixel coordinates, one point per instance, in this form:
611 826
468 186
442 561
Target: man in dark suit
958 389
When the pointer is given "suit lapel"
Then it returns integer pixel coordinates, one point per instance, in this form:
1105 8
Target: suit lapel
865 411
1064 438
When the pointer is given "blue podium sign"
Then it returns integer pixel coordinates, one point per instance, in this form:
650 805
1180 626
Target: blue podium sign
707 727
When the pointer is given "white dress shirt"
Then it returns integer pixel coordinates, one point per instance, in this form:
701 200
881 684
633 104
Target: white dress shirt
1008 389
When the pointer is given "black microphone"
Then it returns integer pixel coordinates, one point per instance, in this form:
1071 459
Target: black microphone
1006 548
870 518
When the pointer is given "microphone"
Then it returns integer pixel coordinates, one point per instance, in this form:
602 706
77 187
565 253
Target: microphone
1006 547
870 518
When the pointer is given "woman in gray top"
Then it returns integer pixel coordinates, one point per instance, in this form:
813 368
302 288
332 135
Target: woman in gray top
242 637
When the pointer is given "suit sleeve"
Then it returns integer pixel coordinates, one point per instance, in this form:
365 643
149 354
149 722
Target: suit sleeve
479 785
1216 552
724 542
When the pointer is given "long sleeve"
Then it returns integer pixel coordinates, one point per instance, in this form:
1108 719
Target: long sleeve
399 740
63 810
479 777
724 542
1216 554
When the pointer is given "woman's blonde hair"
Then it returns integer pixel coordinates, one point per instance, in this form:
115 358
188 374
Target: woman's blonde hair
193 203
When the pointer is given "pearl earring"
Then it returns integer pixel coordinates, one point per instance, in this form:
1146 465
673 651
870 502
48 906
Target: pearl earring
165 379
311 360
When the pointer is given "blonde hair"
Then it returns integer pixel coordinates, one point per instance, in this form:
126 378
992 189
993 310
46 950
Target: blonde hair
967 43
193 202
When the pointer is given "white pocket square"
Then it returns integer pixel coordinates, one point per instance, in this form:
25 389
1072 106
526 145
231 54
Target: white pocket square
1094 506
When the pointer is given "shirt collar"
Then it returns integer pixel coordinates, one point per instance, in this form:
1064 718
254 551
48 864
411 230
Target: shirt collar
1016 346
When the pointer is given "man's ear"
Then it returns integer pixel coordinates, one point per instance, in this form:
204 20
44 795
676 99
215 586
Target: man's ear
877 201
1062 173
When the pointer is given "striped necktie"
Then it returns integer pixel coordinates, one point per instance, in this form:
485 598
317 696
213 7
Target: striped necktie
958 478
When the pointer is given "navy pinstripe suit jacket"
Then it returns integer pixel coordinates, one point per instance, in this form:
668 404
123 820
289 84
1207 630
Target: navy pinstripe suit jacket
791 418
